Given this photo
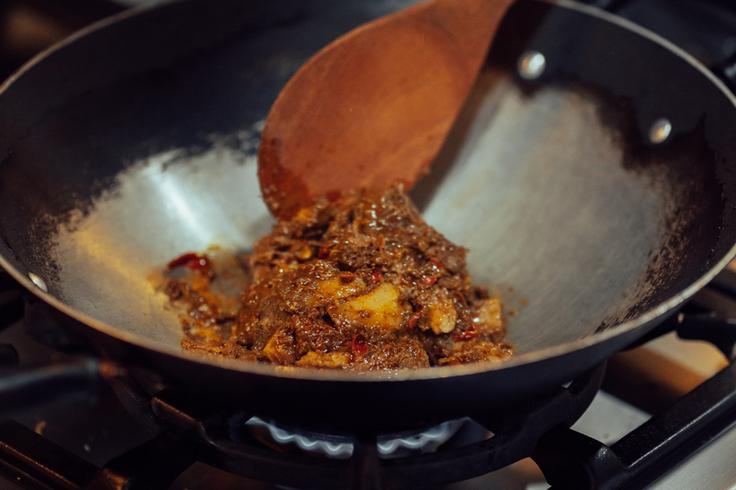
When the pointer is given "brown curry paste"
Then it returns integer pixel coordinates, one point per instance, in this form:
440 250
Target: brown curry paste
359 283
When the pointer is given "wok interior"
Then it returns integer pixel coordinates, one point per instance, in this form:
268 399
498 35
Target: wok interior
537 185
552 215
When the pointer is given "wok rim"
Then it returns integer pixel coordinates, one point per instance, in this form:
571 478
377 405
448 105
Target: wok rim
312 374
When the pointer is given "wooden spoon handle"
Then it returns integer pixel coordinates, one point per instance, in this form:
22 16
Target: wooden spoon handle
374 107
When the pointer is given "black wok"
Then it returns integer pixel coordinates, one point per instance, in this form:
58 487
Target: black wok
602 191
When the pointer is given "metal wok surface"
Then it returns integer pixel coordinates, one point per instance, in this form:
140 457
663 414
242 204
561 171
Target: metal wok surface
136 141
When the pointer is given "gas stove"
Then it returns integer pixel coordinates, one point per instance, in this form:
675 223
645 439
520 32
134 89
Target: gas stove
661 414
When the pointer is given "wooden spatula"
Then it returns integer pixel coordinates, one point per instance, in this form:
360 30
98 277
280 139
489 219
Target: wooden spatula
373 107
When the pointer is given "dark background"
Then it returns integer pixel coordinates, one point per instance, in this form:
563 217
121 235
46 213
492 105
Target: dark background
28 26
703 27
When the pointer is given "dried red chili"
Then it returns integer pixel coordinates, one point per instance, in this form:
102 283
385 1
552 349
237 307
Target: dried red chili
437 263
359 344
194 261
323 252
346 277
468 334
376 276
429 280
413 319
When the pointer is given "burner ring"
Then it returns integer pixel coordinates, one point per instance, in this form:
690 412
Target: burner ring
341 447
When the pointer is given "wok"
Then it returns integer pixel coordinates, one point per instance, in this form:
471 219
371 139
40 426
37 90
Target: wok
602 192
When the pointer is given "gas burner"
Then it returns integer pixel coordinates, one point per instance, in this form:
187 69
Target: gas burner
433 456
342 447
